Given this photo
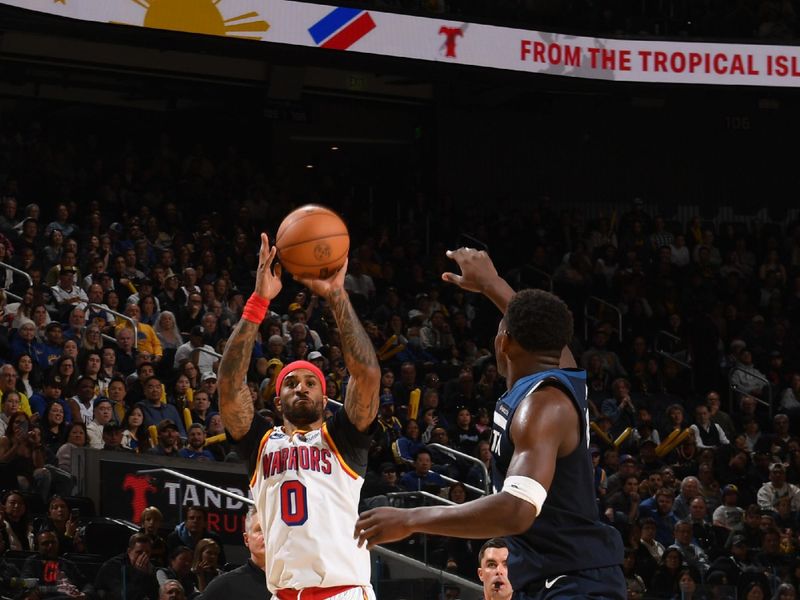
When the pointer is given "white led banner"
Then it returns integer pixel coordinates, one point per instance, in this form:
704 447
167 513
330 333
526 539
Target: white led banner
425 38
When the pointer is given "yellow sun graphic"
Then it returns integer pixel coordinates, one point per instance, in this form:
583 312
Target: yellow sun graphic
199 16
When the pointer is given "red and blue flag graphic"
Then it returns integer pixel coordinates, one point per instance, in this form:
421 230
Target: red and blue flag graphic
341 28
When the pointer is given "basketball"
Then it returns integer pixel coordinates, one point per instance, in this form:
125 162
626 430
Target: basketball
312 242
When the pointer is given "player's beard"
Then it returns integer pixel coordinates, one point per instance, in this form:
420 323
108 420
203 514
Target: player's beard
302 414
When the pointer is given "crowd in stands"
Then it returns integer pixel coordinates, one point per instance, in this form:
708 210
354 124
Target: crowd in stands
695 399
177 566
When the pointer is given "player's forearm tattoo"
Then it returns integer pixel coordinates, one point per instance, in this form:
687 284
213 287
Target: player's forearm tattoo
359 355
235 402
360 358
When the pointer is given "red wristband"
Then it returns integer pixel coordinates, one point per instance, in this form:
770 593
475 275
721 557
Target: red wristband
256 308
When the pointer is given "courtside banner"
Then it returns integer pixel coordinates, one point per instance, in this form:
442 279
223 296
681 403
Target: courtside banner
125 494
424 38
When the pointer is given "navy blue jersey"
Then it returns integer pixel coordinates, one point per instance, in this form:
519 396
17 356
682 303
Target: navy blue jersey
567 535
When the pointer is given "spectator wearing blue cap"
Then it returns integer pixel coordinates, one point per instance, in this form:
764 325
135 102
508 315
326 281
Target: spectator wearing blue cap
103 414
627 467
729 514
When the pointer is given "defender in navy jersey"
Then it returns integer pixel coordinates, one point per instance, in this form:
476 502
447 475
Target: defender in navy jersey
544 484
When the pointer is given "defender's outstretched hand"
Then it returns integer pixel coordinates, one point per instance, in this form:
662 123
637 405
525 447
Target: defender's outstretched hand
477 270
325 287
478 274
268 278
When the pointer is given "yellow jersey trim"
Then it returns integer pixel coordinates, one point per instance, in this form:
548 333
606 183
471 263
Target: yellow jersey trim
260 450
339 457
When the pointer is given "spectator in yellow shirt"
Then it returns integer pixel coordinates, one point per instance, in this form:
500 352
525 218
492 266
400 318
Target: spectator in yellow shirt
148 341
8 383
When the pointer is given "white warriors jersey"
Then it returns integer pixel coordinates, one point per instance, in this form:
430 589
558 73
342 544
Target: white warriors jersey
307 500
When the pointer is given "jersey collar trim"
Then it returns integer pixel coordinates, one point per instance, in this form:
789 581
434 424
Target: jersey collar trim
339 457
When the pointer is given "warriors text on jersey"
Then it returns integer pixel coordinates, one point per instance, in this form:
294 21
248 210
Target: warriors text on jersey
567 536
306 488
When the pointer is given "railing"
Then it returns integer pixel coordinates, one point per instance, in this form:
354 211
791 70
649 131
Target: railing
434 497
487 483
657 346
671 356
588 317
429 496
12 295
518 279
213 353
124 318
464 584
18 271
734 388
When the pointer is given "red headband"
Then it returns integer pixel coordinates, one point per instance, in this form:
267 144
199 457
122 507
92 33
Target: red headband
298 364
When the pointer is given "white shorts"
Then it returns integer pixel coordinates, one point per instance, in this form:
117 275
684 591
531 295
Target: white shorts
355 593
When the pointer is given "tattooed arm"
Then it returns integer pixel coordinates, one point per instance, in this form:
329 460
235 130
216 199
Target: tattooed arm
235 401
361 401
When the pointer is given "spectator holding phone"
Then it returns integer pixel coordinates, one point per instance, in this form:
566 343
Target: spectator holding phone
22 457
63 522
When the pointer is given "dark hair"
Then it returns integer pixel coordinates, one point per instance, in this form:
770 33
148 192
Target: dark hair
647 521
62 428
539 321
664 492
145 297
81 425
83 359
142 434
178 550
453 486
10 493
68 384
405 427
690 572
492 543
149 379
422 451
146 363
35 377
139 538
189 507
83 378
671 550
